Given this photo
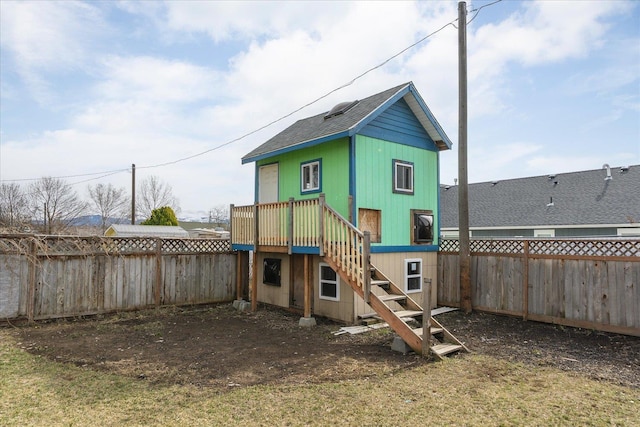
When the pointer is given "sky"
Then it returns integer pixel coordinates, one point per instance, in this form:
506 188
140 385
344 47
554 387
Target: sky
184 89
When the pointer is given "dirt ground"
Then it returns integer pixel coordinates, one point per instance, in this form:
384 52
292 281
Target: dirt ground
218 347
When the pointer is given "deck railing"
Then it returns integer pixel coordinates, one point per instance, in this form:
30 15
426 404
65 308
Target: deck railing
272 224
292 223
305 223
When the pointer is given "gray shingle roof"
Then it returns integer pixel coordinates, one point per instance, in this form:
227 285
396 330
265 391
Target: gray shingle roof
316 128
578 198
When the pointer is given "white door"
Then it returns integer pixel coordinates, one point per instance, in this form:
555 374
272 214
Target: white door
268 183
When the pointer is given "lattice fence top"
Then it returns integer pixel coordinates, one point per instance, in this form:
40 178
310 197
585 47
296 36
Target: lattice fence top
96 245
546 246
605 248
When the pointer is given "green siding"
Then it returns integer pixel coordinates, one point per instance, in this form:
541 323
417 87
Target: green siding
334 174
374 181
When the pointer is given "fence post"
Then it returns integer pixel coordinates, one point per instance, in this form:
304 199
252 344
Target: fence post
33 264
321 203
426 319
158 285
231 206
366 265
525 280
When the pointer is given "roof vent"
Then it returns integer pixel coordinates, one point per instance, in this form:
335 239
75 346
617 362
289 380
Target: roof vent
494 183
606 166
341 108
551 177
624 169
550 204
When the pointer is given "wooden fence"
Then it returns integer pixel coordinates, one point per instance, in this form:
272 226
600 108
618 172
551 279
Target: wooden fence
43 277
592 284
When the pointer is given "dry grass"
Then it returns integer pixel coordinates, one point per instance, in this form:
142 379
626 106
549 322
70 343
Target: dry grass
474 390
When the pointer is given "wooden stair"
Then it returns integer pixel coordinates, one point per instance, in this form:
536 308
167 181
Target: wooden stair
347 250
400 311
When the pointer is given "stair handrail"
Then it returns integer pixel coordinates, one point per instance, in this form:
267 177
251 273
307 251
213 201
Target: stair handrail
346 246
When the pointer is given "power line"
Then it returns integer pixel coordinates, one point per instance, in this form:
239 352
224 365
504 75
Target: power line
352 81
305 105
477 11
111 172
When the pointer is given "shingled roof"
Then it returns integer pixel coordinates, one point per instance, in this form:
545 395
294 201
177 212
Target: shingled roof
316 129
575 198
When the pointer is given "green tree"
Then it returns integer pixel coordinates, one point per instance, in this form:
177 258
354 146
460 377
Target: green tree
162 216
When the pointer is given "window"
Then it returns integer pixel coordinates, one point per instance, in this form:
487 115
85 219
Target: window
329 283
402 177
271 271
413 275
544 233
422 226
310 177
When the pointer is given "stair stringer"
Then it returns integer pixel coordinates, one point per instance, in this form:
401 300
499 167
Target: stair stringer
448 336
396 323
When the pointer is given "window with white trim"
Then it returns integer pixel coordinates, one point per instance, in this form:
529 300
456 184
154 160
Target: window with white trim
402 177
329 283
310 176
413 275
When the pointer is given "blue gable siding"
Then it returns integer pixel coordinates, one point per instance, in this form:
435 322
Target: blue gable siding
398 124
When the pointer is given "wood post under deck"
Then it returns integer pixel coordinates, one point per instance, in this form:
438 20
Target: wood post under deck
254 283
308 291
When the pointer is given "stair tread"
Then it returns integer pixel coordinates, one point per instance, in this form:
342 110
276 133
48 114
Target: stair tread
434 331
391 297
442 349
408 313
379 282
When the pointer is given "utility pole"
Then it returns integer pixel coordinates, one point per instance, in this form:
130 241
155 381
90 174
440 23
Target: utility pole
133 194
463 189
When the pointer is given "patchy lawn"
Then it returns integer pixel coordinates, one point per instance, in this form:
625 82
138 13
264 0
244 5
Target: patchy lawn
208 365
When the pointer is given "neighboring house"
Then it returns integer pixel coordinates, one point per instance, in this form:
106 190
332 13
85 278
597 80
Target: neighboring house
208 233
129 230
369 165
601 202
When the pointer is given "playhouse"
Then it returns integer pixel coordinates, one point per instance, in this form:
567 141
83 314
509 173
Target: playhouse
345 221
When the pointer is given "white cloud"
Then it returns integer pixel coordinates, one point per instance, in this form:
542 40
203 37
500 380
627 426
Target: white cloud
152 105
46 37
249 19
157 80
543 32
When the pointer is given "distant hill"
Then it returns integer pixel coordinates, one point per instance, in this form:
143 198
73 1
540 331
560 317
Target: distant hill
96 221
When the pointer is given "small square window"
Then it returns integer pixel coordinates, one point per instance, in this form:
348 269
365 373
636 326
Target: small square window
329 283
271 271
402 177
310 177
413 275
